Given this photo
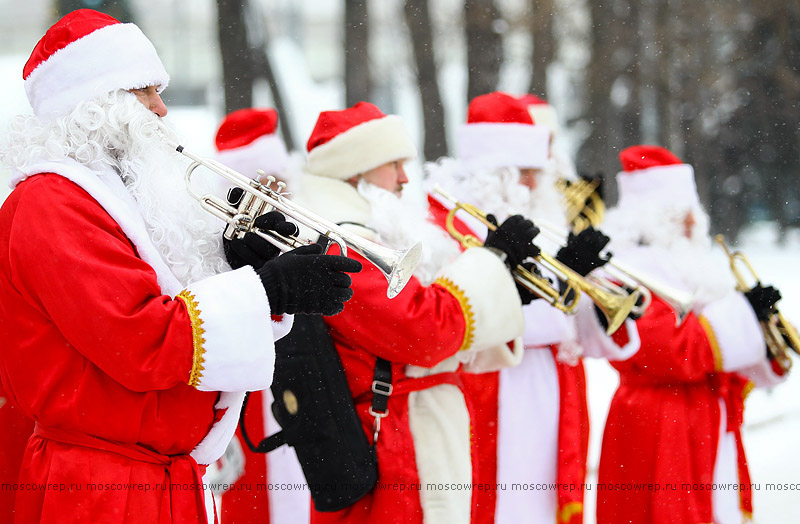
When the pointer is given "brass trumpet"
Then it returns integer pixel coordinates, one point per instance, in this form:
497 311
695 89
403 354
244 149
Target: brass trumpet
584 205
779 335
396 266
615 306
680 301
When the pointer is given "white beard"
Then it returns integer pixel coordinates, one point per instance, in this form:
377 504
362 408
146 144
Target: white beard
188 238
651 237
116 131
498 192
400 222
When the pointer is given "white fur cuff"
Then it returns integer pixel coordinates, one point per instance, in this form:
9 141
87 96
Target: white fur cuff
594 340
234 340
488 296
735 331
494 358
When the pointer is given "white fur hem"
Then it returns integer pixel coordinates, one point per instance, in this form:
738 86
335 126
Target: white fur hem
216 440
234 360
439 424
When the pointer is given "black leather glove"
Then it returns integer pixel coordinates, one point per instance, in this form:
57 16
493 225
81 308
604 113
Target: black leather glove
582 252
253 250
762 300
306 282
514 237
525 295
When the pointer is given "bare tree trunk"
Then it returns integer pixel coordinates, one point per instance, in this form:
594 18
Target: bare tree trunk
119 9
543 44
258 39
262 64
612 81
484 47
357 82
237 67
419 25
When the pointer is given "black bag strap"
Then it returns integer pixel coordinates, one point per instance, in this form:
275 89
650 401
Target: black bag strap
266 445
381 391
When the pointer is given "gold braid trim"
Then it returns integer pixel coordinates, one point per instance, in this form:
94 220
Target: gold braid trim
192 307
569 510
748 387
712 340
466 309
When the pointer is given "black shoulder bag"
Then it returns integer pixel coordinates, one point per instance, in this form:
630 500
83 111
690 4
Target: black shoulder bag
315 410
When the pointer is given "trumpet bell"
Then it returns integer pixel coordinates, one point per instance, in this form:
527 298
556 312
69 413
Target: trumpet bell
397 266
616 308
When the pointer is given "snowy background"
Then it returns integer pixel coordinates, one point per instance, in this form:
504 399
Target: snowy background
772 417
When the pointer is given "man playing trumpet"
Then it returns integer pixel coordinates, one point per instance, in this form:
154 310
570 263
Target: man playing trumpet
459 311
674 422
530 422
127 337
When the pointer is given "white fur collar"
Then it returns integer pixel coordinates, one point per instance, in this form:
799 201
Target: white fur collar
336 201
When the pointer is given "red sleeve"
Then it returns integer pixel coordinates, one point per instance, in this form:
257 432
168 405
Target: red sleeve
667 351
73 264
422 325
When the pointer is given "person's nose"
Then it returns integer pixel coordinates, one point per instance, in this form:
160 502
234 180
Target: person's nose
157 105
402 178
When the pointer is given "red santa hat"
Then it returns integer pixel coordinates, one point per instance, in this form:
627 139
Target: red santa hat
85 55
500 132
247 141
354 140
542 113
653 174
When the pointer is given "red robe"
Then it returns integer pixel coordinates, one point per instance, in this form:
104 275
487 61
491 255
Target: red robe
101 359
661 446
17 428
245 502
424 326
570 430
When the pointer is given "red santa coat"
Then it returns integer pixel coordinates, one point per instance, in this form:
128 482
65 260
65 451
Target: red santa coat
673 427
17 428
469 312
119 430
532 466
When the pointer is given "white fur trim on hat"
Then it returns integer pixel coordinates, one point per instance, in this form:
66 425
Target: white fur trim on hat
267 153
117 56
672 184
361 148
544 115
491 145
